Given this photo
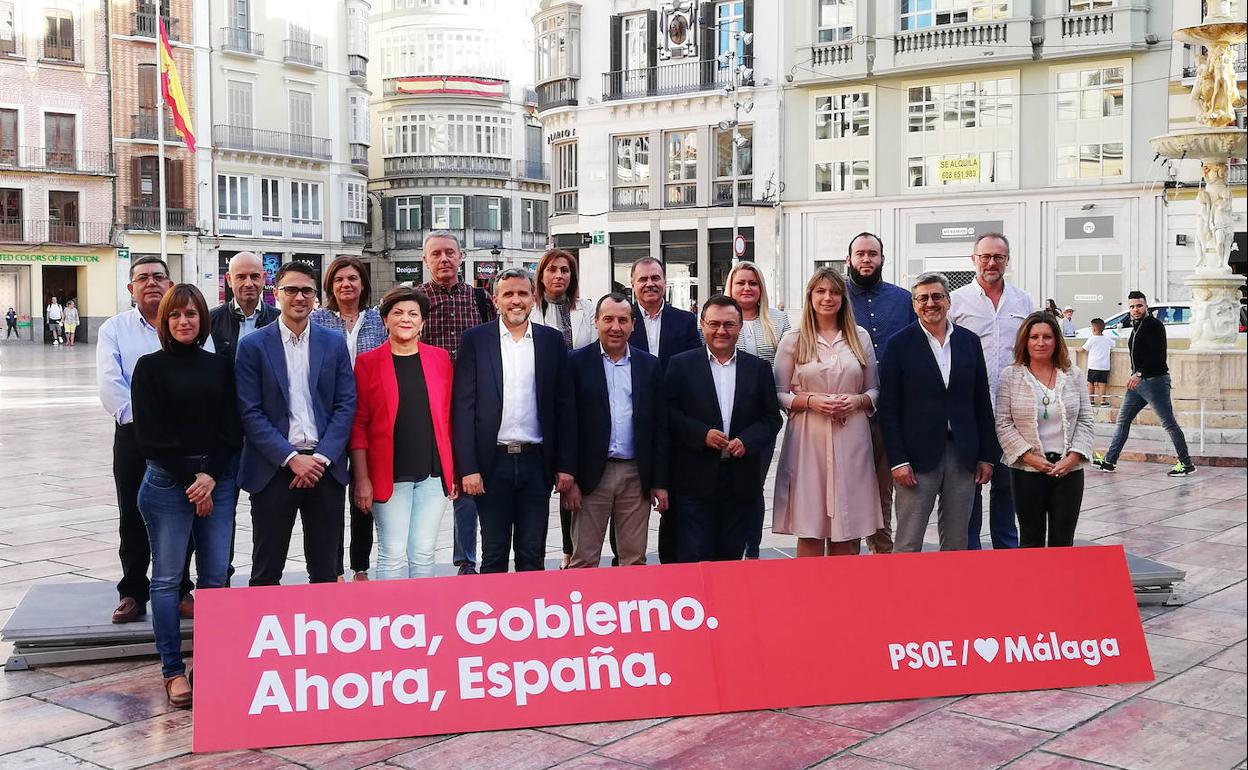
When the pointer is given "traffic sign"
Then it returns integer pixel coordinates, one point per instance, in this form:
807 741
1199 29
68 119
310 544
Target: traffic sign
738 246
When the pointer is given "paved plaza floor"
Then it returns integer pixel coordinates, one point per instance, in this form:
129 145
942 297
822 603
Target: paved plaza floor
58 523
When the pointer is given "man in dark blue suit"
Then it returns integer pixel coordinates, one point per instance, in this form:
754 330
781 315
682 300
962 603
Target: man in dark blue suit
936 416
296 397
621 439
510 445
723 413
664 331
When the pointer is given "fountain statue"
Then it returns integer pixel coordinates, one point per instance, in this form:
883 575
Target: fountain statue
1214 287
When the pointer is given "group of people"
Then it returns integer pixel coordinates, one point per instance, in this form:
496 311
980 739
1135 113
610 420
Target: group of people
444 392
62 321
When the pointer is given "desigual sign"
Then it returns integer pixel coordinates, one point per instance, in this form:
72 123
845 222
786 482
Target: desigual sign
321 663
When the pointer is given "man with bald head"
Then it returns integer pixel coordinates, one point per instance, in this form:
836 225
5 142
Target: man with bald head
245 313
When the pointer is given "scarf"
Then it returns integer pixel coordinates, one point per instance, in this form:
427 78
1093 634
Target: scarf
564 316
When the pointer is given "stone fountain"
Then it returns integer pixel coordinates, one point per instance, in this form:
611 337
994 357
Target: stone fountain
1215 301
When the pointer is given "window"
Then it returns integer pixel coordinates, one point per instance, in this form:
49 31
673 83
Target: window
145 183
357 202
240 13
729 19
1083 94
58 140
487 213
635 48
10 214
1086 161
8 137
233 197
564 157
305 202
448 212
955 106
58 37
301 113
558 46
842 115
843 176
357 105
1082 6
631 189
8 29
681 175
440 133
431 51
723 166
407 212
270 202
238 97
836 20
960 168
923 14
63 216
533 216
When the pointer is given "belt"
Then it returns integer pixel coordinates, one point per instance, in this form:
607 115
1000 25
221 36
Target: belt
517 448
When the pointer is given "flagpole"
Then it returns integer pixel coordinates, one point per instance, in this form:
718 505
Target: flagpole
160 134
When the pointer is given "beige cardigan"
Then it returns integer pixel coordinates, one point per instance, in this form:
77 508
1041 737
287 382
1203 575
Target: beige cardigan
1018 427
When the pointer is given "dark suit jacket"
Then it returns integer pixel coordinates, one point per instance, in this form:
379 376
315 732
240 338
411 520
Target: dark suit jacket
593 418
678 332
916 410
477 400
264 402
693 410
226 321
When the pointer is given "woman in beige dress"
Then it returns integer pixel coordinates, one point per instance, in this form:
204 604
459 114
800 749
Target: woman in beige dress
826 490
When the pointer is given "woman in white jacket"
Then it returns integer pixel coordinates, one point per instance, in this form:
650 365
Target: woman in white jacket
559 306
1044 425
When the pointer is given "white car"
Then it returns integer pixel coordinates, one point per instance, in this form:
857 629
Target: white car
1177 318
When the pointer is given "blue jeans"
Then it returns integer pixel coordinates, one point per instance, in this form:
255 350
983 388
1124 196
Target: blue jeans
171 523
1001 524
464 533
1154 392
514 511
407 529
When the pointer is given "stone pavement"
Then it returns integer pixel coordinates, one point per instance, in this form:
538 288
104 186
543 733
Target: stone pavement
57 523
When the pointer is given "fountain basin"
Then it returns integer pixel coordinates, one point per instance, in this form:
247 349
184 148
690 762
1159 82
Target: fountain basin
1212 145
1213 31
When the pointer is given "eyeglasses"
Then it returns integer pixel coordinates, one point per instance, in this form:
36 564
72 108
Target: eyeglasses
999 259
149 278
923 299
294 291
715 326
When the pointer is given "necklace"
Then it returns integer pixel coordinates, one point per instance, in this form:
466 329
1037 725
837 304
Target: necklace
1046 395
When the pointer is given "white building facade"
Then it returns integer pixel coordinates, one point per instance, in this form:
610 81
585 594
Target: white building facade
637 109
456 143
930 122
288 98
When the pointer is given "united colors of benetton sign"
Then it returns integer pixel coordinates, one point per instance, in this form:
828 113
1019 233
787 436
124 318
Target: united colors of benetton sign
337 662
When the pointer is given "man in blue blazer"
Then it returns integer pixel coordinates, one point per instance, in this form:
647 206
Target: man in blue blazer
511 437
658 328
621 440
296 397
723 413
936 416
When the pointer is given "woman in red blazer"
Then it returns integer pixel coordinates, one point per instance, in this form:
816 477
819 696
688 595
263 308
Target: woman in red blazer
401 440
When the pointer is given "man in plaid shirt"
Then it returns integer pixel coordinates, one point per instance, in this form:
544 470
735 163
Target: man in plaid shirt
454 307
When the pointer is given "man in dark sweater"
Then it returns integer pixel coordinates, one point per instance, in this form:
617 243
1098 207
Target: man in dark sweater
1149 385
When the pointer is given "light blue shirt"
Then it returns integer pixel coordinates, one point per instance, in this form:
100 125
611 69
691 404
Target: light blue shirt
248 324
121 342
620 398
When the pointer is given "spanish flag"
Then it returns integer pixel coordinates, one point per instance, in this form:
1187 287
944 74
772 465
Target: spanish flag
171 89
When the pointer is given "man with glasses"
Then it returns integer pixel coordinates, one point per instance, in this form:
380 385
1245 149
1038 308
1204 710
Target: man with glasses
123 339
296 398
722 413
994 310
933 380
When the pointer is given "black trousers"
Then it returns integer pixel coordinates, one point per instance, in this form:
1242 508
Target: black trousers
717 527
273 511
514 512
11 330
669 533
1047 507
361 547
135 550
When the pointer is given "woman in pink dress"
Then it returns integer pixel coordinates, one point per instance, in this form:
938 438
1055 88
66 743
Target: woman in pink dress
826 490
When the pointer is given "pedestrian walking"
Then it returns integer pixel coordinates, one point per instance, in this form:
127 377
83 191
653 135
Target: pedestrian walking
72 320
55 315
1044 426
10 324
826 490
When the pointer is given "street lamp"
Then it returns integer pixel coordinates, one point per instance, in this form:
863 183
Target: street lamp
738 73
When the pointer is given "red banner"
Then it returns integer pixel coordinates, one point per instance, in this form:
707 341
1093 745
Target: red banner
337 662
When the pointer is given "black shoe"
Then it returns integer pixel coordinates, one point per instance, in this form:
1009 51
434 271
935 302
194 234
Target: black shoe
467 568
1180 469
1106 467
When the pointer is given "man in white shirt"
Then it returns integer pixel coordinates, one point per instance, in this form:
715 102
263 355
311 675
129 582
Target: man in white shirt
56 316
994 310
123 339
513 425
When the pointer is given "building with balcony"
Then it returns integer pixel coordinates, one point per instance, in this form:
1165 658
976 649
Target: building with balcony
1183 178
288 133
56 164
637 106
930 122
138 120
457 146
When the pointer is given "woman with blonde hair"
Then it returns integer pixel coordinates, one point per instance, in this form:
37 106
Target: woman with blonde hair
826 489
764 326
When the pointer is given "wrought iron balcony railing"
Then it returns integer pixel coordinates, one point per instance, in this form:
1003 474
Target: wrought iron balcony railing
143 126
667 79
61 51
357 65
55 160
148 218
352 232
242 41
305 53
270 142
15 230
143 23
443 165
556 93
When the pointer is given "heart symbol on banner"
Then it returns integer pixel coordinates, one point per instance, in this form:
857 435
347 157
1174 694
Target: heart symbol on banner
987 649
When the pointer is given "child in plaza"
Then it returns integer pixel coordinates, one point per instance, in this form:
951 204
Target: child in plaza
1099 348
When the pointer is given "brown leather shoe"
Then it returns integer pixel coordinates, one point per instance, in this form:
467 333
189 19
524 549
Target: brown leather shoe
178 690
186 607
128 610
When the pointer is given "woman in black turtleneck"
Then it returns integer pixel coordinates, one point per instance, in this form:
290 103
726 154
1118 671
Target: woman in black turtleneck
186 422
